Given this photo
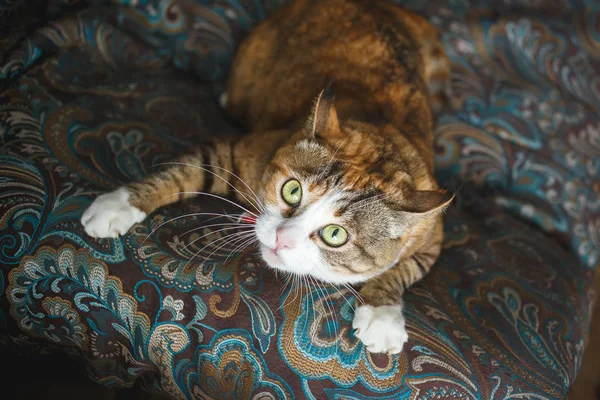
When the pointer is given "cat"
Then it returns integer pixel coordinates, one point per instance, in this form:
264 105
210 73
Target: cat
339 99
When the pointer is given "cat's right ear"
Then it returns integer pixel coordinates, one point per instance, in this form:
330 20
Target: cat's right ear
324 117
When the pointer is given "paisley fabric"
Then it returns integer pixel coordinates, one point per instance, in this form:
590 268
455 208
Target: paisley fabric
96 94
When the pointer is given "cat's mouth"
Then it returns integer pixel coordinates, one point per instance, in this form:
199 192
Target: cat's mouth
271 257
277 259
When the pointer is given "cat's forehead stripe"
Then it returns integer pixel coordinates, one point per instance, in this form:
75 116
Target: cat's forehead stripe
349 202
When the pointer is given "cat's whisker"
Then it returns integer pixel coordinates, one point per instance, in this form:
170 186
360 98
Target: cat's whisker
345 298
216 196
289 278
319 298
232 242
256 202
202 167
232 217
185 216
235 240
356 294
304 298
297 288
292 287
227 237
310 306
224 240
308 324
211 233
331 308
239 225
311 279
335 321
322 296
241 247
255 196
283 303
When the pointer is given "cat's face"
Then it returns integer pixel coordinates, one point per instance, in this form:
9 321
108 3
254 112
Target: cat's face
326 216
315 225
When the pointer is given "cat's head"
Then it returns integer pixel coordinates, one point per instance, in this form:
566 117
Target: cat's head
339 203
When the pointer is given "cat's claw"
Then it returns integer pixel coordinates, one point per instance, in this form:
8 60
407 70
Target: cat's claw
381 329
111 215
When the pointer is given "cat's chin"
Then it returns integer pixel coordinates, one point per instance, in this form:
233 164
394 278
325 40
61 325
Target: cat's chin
273 260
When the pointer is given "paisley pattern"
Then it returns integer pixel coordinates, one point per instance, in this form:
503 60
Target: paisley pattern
103 92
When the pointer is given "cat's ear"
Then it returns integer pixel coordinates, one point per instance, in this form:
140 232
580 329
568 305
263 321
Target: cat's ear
417 205
324 118
424 202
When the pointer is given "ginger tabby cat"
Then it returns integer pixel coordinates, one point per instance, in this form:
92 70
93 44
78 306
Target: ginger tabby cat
345 185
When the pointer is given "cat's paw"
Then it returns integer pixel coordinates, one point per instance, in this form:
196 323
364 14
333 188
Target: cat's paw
381 329
111 215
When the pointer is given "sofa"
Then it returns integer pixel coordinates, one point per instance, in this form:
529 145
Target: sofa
95 94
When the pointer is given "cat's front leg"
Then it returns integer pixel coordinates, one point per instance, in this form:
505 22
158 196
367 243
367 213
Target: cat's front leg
114 213
378 321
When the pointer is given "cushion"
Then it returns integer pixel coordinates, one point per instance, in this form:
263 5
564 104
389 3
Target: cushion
101 94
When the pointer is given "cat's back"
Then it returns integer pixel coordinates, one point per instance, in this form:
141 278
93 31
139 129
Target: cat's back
362 46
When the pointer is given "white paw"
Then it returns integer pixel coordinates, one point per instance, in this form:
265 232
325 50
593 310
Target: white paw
381 328
223 100
111 215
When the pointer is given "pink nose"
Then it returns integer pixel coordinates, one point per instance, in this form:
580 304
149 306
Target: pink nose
284 239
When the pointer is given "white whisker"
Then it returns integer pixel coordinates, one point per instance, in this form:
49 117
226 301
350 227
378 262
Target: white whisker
240 225
231 242
211 233
331 308
293 286
184 216
236 234
234 241
356 294
287 282
256 202
241 247
308 306
319 299
216 196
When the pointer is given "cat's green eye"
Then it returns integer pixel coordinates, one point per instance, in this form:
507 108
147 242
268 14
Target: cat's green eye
292 192
334 235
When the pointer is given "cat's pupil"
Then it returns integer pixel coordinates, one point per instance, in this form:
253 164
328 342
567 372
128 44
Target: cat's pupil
294 190
334 234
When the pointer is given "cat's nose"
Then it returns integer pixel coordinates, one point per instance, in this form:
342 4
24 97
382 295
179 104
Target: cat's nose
284 239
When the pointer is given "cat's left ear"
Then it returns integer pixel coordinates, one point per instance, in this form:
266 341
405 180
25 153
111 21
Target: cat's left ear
417 205
425 202
324 118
